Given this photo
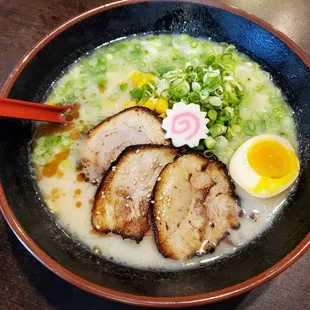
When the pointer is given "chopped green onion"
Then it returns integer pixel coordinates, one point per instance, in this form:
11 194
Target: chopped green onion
136 93
113 67
251 125
230 133
229 111
215 101
189 69
204 93
194 44
210 143
40 161
210 60
123 86
212 114
221 144
208 153
196 86
141 64
224 118
217 130
248 132
229 49
193 97
236 128
227 56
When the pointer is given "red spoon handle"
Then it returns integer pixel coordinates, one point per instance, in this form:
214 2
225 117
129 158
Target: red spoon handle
32 111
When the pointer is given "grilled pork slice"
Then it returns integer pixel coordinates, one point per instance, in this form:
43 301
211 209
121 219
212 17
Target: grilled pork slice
123 198
137 125
194 206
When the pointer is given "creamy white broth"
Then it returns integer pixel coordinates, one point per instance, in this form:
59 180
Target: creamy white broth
70 198
145 254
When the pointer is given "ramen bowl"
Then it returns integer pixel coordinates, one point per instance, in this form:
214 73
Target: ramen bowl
27 215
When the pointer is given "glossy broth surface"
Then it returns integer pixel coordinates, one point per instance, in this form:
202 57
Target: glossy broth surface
94 84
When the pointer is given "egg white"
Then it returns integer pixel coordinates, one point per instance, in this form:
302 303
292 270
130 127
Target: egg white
246 177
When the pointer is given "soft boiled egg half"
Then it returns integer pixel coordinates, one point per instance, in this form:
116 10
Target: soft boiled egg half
265 165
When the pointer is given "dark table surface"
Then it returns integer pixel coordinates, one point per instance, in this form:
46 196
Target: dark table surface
24 282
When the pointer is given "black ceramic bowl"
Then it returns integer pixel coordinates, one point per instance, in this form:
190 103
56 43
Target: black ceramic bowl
28 217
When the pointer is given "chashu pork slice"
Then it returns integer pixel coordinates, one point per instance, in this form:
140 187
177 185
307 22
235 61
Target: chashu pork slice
194 206
137 125
122 202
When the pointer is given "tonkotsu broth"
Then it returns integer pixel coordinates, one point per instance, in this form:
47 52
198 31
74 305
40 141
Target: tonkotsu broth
93 82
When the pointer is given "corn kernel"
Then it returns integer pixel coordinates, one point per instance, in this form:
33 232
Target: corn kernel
130 104
137 77
149 104
51 103
146 79
161 106
163 115
140 79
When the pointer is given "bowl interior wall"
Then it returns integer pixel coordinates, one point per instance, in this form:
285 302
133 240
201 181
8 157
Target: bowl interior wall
23 195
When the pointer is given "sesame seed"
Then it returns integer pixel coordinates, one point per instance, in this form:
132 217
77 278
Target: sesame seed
152 166
126 205
141 179
159 179
148 195
127 197
98 212
95 181
137 151
152 201
113 168
96 250
160 165
157 218
134 182
97 226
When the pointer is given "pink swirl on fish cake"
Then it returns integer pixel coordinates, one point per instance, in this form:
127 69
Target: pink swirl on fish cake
187 124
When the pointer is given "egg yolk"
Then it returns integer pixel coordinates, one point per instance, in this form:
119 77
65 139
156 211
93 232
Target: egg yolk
270 159
277 166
